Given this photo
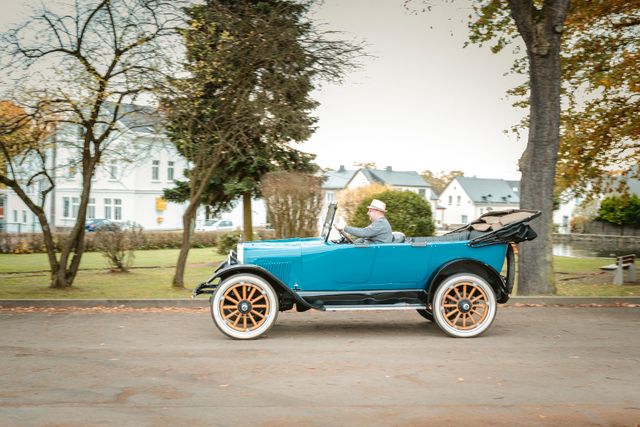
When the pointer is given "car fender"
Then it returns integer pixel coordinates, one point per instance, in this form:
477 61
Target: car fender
472 266
224 271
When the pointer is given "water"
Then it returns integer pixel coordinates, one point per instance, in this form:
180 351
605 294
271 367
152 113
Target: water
594 249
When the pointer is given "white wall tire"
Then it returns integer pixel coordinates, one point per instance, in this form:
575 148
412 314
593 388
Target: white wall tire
244 306
464 306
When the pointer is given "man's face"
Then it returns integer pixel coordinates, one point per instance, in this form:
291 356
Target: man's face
373 214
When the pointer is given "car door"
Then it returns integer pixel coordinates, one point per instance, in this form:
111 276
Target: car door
401 266
332 267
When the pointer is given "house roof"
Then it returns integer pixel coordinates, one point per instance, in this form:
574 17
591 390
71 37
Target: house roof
338 179
395 178
488 190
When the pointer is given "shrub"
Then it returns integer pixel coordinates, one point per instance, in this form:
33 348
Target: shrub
118 246
228 241
622 210
407 212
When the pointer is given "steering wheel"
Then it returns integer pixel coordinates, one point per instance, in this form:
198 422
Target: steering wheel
345 236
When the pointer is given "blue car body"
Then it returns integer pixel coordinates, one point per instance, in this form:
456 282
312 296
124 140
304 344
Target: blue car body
317 273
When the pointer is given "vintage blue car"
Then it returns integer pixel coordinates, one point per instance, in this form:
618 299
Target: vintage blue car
452 279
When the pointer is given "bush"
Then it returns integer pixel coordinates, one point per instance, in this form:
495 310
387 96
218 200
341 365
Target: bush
34 242
118 246
407 212
228 241
623 210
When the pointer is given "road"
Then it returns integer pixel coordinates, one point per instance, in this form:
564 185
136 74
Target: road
131 367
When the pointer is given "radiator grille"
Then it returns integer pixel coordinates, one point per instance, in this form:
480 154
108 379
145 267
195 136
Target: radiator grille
279 269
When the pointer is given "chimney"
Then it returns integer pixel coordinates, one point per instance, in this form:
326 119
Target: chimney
389 169
341 169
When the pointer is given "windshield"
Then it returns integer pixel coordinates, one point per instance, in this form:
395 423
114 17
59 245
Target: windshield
328 221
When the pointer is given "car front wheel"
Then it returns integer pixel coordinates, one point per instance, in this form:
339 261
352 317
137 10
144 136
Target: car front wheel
244 306
464 306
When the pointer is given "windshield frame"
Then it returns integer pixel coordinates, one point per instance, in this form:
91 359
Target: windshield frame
328 221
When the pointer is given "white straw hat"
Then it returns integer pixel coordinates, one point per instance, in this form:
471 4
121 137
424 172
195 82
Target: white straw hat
378 205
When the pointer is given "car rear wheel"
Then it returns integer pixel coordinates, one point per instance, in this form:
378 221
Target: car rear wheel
244 306
464 306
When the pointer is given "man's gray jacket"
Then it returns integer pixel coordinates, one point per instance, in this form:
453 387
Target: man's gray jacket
379 231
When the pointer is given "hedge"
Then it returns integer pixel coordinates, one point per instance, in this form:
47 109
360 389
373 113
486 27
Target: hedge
27 243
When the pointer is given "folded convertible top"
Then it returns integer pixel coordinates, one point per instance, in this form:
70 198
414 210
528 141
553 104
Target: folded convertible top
500 227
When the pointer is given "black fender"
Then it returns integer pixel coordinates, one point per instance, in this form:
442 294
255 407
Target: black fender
225 271
472 266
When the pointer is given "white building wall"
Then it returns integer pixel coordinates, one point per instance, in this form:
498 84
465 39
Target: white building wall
459 207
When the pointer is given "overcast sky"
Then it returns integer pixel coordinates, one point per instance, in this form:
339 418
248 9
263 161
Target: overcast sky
422 102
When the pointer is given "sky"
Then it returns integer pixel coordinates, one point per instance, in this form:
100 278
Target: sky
420 102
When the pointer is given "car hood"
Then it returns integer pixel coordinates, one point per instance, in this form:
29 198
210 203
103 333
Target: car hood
258 252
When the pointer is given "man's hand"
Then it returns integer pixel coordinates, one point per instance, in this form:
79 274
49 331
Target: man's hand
338 227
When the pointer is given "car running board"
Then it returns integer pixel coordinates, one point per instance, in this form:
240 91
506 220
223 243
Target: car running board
344 307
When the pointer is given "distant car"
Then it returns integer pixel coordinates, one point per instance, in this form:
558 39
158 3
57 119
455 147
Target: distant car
216 225
100 224
453 280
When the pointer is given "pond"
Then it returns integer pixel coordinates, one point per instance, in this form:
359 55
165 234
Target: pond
594 249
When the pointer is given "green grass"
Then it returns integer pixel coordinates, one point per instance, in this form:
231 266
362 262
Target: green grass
26 277
95 281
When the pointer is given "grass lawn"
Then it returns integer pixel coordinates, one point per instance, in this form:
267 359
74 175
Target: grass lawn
94 280
26 276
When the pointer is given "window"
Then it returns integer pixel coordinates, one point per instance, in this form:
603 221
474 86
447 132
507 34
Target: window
15 215
75 205
170 169
24 217
91 208
330 196
107 208
422 192
113 170
450 200
117 209
155 170
464 219
66 207
458 201
481 211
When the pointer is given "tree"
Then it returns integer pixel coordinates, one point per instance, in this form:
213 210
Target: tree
294 201
350 199
407 212
600 129
440 180
251 68
596 62
620 210
85 64
540 25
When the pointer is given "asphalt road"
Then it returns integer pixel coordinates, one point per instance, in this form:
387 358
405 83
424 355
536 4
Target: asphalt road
535 366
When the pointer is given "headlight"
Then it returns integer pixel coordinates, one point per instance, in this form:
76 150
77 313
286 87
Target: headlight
240 253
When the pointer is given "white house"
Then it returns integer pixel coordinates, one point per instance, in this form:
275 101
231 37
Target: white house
137 165
466 198
342 178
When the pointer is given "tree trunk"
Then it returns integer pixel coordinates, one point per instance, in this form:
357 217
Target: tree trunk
541 31
247 223
187 233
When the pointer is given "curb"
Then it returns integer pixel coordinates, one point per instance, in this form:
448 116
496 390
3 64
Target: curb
198 303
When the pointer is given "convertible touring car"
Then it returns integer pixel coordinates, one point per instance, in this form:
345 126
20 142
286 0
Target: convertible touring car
454 280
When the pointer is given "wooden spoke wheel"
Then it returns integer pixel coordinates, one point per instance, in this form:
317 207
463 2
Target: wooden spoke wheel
464 305
244 306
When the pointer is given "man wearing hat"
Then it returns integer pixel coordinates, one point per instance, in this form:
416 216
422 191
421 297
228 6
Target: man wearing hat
379 231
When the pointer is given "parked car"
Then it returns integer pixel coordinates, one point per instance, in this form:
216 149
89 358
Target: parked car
100 224
216 225
452 279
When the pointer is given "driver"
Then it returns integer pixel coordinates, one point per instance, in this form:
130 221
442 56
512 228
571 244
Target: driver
379 231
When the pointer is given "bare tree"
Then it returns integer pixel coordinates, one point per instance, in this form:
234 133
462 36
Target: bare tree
293 201
89 62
